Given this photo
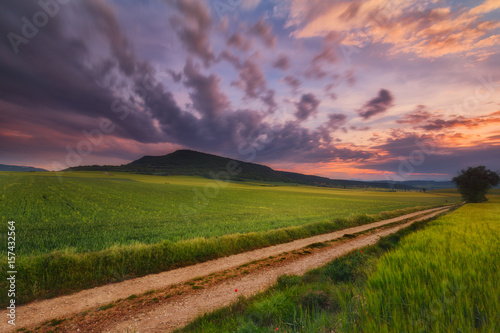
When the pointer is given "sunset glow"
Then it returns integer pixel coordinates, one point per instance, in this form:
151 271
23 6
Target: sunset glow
361 90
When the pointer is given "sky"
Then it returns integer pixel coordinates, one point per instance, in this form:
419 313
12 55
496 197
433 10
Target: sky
373 90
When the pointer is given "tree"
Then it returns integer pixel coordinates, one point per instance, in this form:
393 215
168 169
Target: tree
474 183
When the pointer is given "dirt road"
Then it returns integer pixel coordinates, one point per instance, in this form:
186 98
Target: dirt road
169 315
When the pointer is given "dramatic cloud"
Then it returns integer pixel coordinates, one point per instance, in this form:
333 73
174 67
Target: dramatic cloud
206 96
106 82
193 27
401 143
52 72
335 121
238 41
327 53
148 111
437 32
315 72
252 79
283 62
327 56
175 76
293 82
486 7
423 119
377 105
269 100
409 154
328 90
416 117
350 77
229 57
363 128
264 32
307 107
292 142
422 28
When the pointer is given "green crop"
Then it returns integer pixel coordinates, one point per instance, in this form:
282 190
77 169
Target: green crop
437 276
86 213
443 279
85 229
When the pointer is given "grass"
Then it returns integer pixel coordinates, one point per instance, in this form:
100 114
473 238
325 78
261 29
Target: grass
91 228
107 306
89 211
443 278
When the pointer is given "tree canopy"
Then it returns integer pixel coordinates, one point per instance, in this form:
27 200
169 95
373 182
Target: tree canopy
474 182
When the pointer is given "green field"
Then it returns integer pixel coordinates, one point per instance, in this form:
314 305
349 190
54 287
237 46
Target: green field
89 211
81 229
443 279
440 276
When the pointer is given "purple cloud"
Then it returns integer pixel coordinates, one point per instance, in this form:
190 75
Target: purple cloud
269 100
307 106
410 152
417 116
229 57
193 28
293 82
423 119
264 32
238 41
175 76
335 121
283 62
206 95
251 79
327 55
377 105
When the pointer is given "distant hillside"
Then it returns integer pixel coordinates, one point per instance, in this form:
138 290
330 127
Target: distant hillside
323 181
427 184
193 163
6 167
431 184
189 162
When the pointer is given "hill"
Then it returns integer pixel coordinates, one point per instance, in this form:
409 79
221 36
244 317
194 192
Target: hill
189 162
427 184
193 163
328 182
6 167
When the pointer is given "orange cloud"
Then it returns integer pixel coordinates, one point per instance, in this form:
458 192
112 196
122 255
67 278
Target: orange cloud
340 170
424 119
486 7
15 134
410 27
